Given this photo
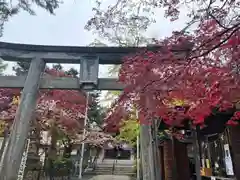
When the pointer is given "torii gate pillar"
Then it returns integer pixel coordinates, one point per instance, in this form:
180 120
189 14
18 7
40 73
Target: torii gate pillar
19 133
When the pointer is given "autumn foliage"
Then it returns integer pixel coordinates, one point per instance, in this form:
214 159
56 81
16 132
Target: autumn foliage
115 117
187 78
63 108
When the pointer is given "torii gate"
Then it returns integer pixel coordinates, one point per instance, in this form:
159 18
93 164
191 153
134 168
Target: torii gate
88 57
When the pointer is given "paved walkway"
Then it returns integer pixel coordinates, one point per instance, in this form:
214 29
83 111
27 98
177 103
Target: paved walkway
105 177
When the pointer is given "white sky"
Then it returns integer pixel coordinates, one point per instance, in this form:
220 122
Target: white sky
67 27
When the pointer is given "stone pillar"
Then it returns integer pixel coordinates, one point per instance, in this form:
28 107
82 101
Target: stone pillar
22 121
146 152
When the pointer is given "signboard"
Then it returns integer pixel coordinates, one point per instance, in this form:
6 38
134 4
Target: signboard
89 71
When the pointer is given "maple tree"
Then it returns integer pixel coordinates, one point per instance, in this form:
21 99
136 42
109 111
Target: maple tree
114 118
4 102
191 76
214 36
59 112
187 77
66 108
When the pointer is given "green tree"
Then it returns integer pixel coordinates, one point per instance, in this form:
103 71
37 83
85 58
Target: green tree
73 72
58 67
21 68
96 111
129 131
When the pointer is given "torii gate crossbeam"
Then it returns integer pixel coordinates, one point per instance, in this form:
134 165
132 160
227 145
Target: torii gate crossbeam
64 83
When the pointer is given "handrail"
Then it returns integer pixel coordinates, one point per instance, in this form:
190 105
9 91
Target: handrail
114 164
94 163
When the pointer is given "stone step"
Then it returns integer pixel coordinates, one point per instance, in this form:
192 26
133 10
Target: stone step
120 162
115 168
115 172
109 173
103 170
122 168
119 167
116 165
106 177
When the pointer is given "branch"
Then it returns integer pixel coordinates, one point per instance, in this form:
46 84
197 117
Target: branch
189 25
84 139
212 16
218 22
219 44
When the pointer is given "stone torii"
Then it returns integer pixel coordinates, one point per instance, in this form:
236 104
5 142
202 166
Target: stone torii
89 59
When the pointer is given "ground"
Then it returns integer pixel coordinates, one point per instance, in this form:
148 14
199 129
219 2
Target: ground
105 177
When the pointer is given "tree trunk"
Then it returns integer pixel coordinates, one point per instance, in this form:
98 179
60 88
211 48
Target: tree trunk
235 142
183 168
168 160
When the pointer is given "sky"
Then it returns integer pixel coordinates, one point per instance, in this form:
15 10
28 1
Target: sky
67 28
